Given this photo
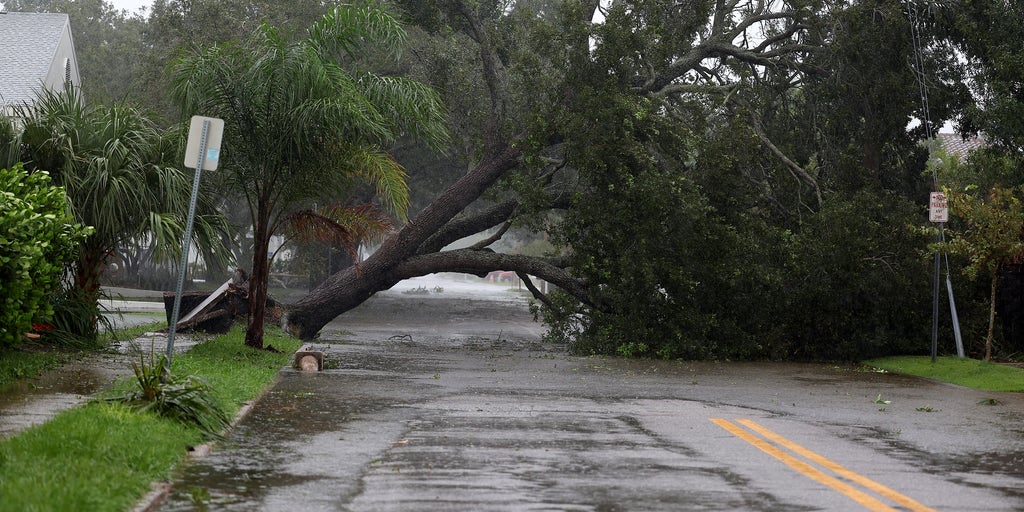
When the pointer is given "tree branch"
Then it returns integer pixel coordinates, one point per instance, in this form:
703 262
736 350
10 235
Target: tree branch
492 73
537 294
493 238
465 225
720 44
676 88
799 172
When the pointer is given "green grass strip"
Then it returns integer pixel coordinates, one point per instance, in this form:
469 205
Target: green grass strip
971 373
103 456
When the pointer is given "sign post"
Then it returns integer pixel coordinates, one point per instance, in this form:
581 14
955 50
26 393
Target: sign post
938 212
201 152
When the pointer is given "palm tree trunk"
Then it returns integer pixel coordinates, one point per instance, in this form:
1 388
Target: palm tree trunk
258 284
88 271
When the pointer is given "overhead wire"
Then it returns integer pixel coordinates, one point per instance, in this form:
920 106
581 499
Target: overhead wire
922 83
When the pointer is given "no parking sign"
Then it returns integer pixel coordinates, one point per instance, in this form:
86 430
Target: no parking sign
938 210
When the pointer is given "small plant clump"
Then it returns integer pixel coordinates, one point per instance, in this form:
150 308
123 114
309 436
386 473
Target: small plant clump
188 400
419 290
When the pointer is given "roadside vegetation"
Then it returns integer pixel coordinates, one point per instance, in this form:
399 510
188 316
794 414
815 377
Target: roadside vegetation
104 455
972 373
710 180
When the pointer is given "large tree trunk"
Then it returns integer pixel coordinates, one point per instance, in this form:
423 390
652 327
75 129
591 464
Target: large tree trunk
349 288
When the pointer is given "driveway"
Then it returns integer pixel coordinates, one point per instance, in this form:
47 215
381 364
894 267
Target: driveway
449 400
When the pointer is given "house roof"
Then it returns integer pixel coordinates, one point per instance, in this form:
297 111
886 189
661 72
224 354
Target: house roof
956 144
29 43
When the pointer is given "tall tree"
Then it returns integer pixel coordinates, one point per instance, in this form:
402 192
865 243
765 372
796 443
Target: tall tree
990 37
300 126
172 26
992 237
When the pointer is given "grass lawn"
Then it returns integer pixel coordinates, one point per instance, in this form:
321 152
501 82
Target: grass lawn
103 456
971 373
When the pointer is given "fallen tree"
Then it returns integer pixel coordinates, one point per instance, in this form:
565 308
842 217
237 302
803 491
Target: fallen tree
511 140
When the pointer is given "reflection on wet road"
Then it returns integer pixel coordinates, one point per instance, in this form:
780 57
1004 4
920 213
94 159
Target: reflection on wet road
449 401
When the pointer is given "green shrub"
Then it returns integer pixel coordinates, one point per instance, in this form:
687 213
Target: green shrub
37 237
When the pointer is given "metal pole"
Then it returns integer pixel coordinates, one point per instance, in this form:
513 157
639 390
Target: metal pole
185 246
935 310
956 319
952 300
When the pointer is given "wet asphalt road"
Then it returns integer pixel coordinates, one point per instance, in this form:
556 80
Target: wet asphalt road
450 401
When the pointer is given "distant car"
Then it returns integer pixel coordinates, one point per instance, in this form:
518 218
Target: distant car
501 276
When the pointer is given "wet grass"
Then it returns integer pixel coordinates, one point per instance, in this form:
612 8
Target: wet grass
97 457
971 373
103 456
237 372
130 333
31 360
25 363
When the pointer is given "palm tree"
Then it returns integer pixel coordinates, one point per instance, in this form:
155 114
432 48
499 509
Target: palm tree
300 128
115 164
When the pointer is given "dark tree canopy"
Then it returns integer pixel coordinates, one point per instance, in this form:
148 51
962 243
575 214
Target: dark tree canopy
710 178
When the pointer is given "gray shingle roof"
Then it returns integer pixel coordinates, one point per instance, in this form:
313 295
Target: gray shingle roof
955 144
28 46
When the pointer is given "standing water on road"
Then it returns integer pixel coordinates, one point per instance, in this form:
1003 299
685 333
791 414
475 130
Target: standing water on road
440 395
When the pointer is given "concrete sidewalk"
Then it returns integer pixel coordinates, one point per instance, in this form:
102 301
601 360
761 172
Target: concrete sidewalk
29 402
131 306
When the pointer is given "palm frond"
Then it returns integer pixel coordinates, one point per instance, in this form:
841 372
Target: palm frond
350 28
414 108
345 225
386 175
118 168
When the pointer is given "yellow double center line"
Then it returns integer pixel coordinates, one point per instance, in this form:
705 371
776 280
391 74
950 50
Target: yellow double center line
868 501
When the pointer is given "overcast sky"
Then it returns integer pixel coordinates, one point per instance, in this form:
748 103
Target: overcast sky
131 5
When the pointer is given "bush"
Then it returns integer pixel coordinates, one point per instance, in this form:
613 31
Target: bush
857 284
37 237
76 319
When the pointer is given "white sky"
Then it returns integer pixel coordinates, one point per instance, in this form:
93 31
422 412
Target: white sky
131 5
